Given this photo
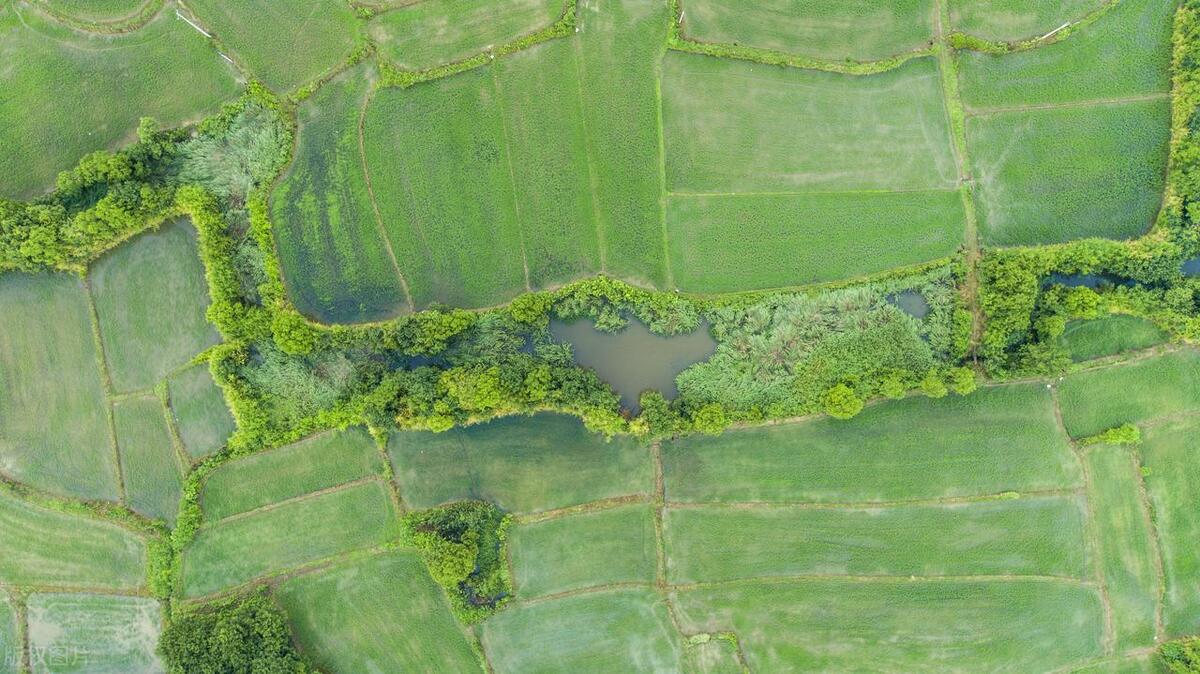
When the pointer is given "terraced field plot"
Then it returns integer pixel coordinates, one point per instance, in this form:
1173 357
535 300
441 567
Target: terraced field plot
149 464
94 633
199 411
1016 19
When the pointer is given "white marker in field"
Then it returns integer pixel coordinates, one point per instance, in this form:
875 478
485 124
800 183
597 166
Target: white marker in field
193 25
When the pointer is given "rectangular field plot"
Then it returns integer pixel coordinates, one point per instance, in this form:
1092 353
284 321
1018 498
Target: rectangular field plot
53 420
200 411
1138 664
1109 336
1130 46
379 614
1029 536
1011 20
96 634
151 471
862 30
1097 400
284 42
10 638
902 625
1171 454
584 550
428 34
524 464
443 179
47 547
334 258
1127 554
741 242
734 126
995 440
102 85
617 631
234 551
1053 175
151 296
320 462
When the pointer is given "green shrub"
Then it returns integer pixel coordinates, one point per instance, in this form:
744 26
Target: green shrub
933 386
1181 656
243 635
1125 434
841 402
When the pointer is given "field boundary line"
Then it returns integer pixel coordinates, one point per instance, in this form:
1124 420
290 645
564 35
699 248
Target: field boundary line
659 502
357 482
392 485
229 55
20 603
130 23
512 173
1097 102
181 456
1116 657
55 588
73 506
1037 494
362 158
591 589
599 505
662 162
807 193
880 578
1160 574
109 390
1154 422
593 180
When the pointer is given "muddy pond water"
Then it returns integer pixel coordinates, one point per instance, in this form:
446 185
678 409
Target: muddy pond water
910 302
635 359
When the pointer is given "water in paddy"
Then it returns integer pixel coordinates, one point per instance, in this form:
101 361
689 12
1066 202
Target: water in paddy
910 302
635 359
1192 267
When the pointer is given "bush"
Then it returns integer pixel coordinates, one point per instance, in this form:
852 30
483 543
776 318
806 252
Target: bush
244 635
961 380
1181 656
841 402
933 386
1125 434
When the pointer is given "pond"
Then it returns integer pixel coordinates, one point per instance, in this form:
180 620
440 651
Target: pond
910 302
1192 267
635 359
1092 281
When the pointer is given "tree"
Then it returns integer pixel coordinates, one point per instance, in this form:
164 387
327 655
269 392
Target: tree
961 380
710 419
245 635
841 402
933 386
293 335
892 385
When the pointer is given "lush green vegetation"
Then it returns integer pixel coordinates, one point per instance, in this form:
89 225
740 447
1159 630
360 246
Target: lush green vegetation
149 464
94 633
241 634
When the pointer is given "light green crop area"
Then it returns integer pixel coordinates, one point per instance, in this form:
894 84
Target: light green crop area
1110 335
148 463
200 411
1016 19
94 633
99 11
1096 400
1170 453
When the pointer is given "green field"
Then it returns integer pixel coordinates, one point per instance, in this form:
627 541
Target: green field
861 30
996 440
10 641
94 634
426 34
290 535
524 464
1096 400
584 550
1144 664
1053 175
151 296
1127 554
46 547
1109 336
733 126
1028 536
902 625
379 614
148 461
1130 45
98 11
199 409
321 462
101 85
53 421
330 244
1016 19
1171 454
727 243
617 631
285 43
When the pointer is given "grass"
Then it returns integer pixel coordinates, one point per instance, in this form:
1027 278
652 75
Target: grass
425 35
1054 175
1097 400
320 462
584 550
523 464
100 85
861 30
1130 45
10 641
1126 548
47 547
1015 19
902 625
148 463
379 614
1109 336
1137 664
97 11
617 631
54 430
1171 455
285 43
734 126
442 176
716 656
151 296
295 533
995 440
200 411
94 634
730 243
330 247
1029 536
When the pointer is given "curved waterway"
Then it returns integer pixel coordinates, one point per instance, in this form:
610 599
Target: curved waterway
635 359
